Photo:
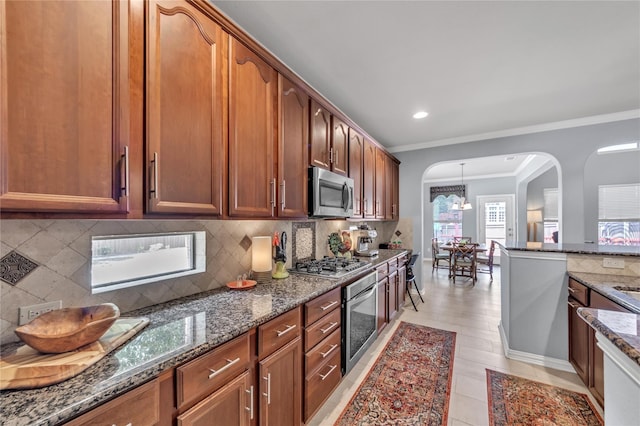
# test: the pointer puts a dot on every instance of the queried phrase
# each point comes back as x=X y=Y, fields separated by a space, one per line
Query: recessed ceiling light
x=420 y=114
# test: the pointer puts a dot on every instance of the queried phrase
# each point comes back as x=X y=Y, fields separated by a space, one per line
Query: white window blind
x=550 y=204
x=619 y=202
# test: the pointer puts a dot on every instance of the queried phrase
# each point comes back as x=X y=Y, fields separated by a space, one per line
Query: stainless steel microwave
x=330 y=194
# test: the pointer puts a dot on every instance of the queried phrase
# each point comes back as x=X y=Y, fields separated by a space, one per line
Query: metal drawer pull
x=286 y=330
x=324 y=308
x=333 y=367
x=573 y=305
x=250 y=407
x=155 y=175
x=268 y=394
x=571 y=289
x=124 y=181
x=283 y=197
x=216 y=372
x=331 y=349
x=324 y=330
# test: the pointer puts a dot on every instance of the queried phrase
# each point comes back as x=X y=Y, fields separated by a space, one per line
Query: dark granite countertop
x=179 y=331
x=621 y=328
x=573 y=248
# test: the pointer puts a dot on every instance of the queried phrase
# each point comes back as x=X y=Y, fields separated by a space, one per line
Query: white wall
x=571 y=148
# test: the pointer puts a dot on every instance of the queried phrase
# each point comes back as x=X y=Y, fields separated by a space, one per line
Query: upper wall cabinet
x=369 y=180
x=320 y=136
x=356 y=152
x=65 y=118
x=293 y=106
x=252 y=132
x=380 y=193
x=186 y=109
x=339 y=146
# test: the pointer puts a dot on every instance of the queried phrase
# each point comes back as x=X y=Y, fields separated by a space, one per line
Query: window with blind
x=550 y=214
x=619 y=214
x=447 y=223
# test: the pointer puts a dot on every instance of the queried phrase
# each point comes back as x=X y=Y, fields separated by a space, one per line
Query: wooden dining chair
x=464 y=261
x=438 y=255
x=487 y=261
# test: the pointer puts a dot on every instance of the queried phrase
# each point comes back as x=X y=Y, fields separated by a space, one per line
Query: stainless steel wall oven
x=359 y=325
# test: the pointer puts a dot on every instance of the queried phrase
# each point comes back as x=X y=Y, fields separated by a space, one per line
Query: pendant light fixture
x=463 y=204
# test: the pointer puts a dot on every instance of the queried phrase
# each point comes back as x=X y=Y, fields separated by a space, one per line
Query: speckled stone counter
x=179 y=330
x=621 y=328
x=573 y=248
x=612 y=287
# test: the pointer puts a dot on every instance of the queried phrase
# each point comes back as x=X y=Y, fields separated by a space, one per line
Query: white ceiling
x=478 y=67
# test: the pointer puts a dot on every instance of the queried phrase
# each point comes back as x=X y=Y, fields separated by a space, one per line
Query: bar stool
x=411 y=278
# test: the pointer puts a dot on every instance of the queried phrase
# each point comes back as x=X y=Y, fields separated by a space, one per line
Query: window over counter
x=120 y=261
x=550 y=213
x=619 y=214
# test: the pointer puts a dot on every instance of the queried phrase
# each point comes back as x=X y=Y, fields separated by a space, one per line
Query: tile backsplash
x=61 y=252
x=593 y=264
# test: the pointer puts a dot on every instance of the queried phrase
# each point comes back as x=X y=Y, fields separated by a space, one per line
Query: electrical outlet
x=609 y=262
x=27 y=313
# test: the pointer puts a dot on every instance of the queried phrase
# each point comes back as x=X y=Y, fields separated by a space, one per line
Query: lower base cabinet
x=280 y=376
x=232 y=405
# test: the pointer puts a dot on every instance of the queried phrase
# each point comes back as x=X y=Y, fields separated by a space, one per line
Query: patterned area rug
x=410 y=382
x=517 y=401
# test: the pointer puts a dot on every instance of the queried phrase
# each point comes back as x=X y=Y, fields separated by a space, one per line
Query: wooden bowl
x=67 y=329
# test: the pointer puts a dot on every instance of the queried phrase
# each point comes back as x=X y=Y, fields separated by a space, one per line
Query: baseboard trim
x=544 y=361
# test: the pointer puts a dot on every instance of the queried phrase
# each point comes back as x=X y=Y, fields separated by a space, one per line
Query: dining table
x=478 y=248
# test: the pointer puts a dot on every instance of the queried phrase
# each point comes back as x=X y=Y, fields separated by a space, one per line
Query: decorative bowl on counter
x=241 y=284
x=67 y=329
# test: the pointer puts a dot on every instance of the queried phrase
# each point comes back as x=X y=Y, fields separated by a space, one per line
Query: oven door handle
x=362 y=296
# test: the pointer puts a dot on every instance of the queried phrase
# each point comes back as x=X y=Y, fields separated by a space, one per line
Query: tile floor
x=473 y=312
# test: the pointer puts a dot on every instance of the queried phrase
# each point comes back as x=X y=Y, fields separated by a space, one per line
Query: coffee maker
x=364 y=240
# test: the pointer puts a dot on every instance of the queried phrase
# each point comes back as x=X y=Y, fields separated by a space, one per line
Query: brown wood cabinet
x=369 y=180
x=322 y=350
x=339 y=146
x=69 y=112
x=319 y=136
x=392 y=199
x=140 y=406
x=293 y=107
x=186 y=111
x=252 y=133
x=231 y=405
x=393 y=295
x=356 y=167
x=380 y=185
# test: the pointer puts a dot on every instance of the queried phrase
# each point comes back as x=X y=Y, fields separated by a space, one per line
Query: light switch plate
x=27 y=313
x=609 y=262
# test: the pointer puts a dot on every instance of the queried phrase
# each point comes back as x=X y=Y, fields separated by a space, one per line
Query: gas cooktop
x=331 y=267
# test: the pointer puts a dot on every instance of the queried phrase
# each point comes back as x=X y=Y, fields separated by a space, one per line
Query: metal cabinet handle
x=268 y=394
x=273 y=192
x=124 y=181
x=331 y=349
x=571 y=289
x=283 y=197
x=333 y=367
x=573 y=305
x=154 y=190
x=286 y=330
x=229 y=364
x=250 y=407
x=336 y=157
x=325 y=330
x=324 y=308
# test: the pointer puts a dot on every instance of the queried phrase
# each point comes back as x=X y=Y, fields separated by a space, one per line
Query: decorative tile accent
x=245 y=243
x=303 y=246
x=14 y=267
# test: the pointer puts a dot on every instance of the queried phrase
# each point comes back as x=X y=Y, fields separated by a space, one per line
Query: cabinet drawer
x=383 y=271
x=212 y=370
x=140 y=406
x=320 y=384
x=393 y=265
x=578 y=291
x=321 y=305
x=278 y=332
x=321 y=329
x=325 y=349
x=598 y=301
x=402 y=260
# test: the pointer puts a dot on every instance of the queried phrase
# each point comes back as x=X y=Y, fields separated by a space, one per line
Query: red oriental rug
x=517 y=401
x=410 y=382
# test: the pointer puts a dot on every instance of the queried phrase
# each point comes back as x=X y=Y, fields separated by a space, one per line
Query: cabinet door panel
x=369 y=180
x=387 y=207
x=252 y=123
x=393 y=295
x=356 y=152
x=381 y=160
x=186 y=117
x=339 y=146
x=281 y=386
x=578 y=342
x=230 y=405
x=65 y=114
x=292 y=150
x=320 y=136
x=383 y=299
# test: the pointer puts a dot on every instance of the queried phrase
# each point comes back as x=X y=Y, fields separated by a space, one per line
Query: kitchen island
x=534 y=276
x=179 y=331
